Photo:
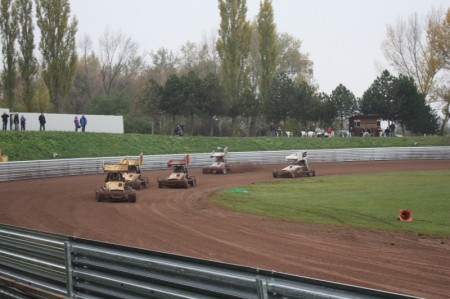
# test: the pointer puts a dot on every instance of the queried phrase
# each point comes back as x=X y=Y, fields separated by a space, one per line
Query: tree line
x=231 y=84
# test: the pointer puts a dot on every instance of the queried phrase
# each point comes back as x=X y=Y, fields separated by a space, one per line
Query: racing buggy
x=299 y=167
x=179 y=178
x=115 y=188
x=220 y=165
x=133 y=176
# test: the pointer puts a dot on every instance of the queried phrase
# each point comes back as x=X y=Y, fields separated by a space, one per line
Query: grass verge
x=362 y=201
x=23 y=146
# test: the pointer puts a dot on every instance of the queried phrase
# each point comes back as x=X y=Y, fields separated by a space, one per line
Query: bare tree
x=117 y=53
x=163 y=65
x=407 y=49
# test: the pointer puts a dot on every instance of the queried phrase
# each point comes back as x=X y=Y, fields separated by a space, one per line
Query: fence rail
x=77 y=268
x=66 y=167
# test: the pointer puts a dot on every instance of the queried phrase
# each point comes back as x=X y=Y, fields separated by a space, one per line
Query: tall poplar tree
x=26 y=60
x=233 y=47
x=8 y=32
x=57 y=47
x=267 y=49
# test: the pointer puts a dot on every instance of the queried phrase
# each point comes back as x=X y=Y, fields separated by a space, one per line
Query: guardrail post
x=261 y=288
x=67 y=251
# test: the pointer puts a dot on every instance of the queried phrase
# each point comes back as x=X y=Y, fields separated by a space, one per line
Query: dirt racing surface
x=183 y=221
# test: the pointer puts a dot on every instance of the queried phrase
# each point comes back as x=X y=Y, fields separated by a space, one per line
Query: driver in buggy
x=113 y=177
x=180 y=169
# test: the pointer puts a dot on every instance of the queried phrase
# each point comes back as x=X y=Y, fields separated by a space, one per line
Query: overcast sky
x=342 y=37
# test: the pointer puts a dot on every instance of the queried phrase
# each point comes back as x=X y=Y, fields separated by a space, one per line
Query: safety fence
x=77 y=268
x=66 y=167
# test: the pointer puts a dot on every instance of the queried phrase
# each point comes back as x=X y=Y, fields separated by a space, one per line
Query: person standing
x=182 y=125
x=16 y=121
x=392 y=129
x=77 y=123
x=22 y=123
x=5 y=117
x=42 y=122
x=83 y=123
x=272 y=130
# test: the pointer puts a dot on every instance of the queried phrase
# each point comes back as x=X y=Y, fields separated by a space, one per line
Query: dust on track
x=183 y=221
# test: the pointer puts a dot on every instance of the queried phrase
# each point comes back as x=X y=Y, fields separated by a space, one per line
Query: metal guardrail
x=65 y=167
x=78 y=268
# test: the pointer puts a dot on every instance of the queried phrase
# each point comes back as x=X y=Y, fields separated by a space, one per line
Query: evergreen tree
x=378 y=98
x=345 y=103
x=28 y=65
x=267 y=48
x=9 y=31
x=233 y=47
x=57 y=47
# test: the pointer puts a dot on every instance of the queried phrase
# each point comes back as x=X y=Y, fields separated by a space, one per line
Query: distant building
x=358 y=124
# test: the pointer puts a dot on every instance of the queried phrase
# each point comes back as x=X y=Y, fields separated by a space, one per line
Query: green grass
x=21 y=146
x=364 y=201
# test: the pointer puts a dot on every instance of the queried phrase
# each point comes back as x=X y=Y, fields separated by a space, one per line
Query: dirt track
x=182 y=221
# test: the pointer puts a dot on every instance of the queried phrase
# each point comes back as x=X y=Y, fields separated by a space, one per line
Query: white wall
x=64 y=122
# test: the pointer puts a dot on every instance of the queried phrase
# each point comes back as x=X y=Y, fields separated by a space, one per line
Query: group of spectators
x=80 y=123
x=14 y=121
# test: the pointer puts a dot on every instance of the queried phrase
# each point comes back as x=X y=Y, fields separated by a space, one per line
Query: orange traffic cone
x=405 y=215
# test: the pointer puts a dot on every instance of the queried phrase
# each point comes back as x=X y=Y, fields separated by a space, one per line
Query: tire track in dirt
x=183 y=221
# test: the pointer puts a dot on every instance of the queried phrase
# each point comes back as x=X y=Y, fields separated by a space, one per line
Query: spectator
x=83 y=123
x=330 y=132
x=182 y=125
x=5 y=117
x=392 y=129
x=272 y=130
x=179 y=131
x=23 y=120
x=42 y=122
x=387 y=132
x=76 y=123
x=16 y=121
x=279 y=132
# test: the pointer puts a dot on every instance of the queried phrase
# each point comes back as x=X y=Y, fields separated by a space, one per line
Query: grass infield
x=370 y=201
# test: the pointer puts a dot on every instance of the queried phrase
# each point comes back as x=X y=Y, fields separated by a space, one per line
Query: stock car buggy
x=179 y=178
x=133 y=176
x=299 y=167
x=220 y=165
x=115 y=188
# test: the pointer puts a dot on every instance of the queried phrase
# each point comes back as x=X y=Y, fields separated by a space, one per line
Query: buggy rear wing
x=111 y=167
x=301 y=155
x=221 y=153
x=186 y=161
x=133 y=162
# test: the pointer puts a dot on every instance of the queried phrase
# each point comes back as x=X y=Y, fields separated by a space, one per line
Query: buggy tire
x=132 y=198
x=185 y=184
x=193 y=183
x=224 y=171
